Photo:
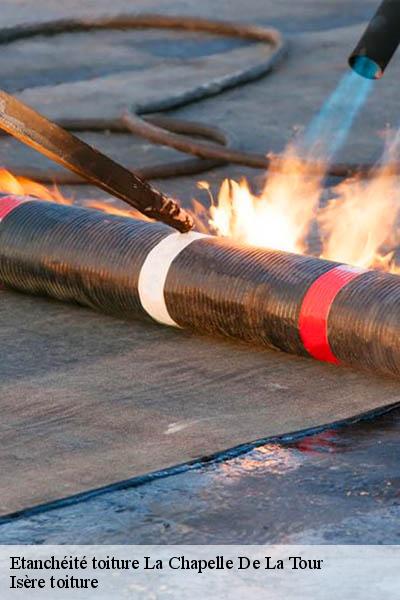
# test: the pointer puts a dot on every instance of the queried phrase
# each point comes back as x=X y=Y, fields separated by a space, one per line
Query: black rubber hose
x=270 y=37
x=162 y=130
x=136 y=269
x=157 y=134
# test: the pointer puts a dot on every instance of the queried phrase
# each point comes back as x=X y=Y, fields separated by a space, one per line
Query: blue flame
x=329 y=129
x=366 y=67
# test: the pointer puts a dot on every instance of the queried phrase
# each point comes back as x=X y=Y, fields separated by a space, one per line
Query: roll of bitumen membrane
x=139 y=269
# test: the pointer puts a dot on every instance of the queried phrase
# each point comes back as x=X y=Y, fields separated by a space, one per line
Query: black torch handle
x=379 y=41
x=48 y=138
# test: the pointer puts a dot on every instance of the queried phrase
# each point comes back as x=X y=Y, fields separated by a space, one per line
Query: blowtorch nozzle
x=379 y=42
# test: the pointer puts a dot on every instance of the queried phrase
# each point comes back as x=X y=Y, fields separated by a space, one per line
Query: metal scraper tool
x=34 y=130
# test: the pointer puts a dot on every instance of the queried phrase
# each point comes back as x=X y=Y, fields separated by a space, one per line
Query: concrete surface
x=55 y=353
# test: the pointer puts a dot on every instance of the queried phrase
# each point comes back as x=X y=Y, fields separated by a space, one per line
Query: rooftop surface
x=106 y=396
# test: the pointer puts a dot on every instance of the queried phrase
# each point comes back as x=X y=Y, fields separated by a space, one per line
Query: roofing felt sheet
x=88 y=400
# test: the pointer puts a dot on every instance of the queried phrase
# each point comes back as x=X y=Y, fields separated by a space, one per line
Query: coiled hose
x=164 y=130
x=138 y=269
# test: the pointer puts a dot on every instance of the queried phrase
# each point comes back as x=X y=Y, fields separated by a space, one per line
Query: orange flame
x=21 y=186
x=360 y=222
x=358 y=226
x=280 y=216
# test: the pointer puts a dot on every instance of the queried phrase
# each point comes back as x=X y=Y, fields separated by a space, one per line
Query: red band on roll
x=8 y=203
x=314 y=313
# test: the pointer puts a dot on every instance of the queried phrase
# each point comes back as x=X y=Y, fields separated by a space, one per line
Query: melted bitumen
x=341 y=485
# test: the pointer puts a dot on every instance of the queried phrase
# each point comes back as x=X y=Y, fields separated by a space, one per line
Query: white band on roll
x=154 y=271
